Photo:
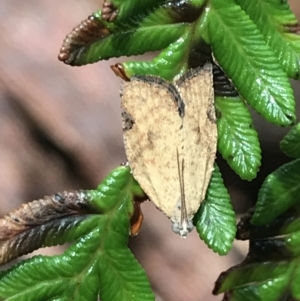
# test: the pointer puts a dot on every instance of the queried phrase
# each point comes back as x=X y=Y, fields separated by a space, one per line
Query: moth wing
x=200 y=134
x=151 y=126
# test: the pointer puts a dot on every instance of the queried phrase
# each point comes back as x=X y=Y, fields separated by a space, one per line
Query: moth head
x=183 y=228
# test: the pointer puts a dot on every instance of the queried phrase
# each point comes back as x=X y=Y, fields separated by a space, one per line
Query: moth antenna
x=183 y=218
x=183 y=203
x=205 y=175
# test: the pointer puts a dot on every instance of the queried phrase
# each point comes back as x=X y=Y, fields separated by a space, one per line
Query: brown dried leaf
x=26 y=228
x=109 y=11
x=136 y=220
x=87 y=32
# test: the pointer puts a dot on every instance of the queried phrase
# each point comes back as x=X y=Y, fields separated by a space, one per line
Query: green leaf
x=99 y=262
x=122 y=278
x=240 y=49
x=57 y=219
x=290 y=144
x=127 y=43
x=138 y=28
x=131 y=13
x=237 y=140
x=134 y=14
x=166 y=65
x=152 y=28
x=189 y=51
x=278 y=25
x=256 y=282
x=215 y=220
x=271 y=269
x=280 y=191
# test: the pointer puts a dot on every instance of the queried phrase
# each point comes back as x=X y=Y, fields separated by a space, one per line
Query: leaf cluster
x=254 y=48
x=97 y=263
x=271 y=268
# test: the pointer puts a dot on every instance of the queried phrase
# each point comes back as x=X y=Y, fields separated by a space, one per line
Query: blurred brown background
x=60 y=128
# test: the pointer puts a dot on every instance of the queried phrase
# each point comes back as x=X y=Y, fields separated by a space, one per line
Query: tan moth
x=170 y=138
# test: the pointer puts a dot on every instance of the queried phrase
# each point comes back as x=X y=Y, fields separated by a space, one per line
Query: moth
x=170 y=138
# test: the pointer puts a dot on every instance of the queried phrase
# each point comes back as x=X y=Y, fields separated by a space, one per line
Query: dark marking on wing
x=197 y=130
x=128 y=121
x=154 y=80
x=211 y=115
x=151 y=139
